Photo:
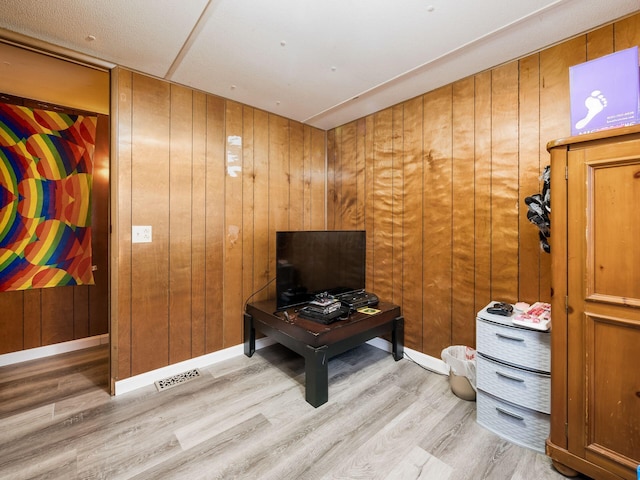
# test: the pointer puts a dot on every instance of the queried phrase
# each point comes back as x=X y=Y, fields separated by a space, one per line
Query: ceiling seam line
x=193 y=35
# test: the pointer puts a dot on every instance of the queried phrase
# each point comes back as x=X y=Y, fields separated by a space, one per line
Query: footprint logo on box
x=595 y=104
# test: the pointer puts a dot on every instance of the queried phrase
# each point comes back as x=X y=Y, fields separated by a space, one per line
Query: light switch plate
x=141 y=234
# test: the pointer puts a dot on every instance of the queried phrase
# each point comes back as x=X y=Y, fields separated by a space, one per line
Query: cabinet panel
x=612 y=233
x=614 y=394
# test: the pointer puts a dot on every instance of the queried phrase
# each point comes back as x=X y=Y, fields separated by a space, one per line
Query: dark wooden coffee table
x=317 y=342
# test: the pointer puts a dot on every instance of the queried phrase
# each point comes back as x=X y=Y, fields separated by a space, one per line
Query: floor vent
x=176 y=380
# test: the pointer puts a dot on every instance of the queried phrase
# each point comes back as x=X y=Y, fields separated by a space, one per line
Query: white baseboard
x=149 y=378
x=431 y=363
x=427 y=361
x=47 y=351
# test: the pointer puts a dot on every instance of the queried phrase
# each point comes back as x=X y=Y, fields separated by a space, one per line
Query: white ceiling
x=322 y=62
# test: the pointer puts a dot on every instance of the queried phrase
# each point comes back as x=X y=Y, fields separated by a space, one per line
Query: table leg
x=397 y=338
x=316 y=375
x=249 y=336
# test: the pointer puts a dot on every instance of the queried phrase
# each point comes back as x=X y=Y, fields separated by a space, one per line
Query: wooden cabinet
x=595 y=338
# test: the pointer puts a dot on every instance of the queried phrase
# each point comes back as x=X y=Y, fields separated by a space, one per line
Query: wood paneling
x=531 y=164
x=348 y=187
x=462 y=181
x=397 y=202
x=361 y=188
x=233 y=233
x=263 y=270
x=57 y=319
x=198 y=245
x=81 y=312
x=121 y=347
x=248 y=204
x=482 y=191
x=412 y=231
x=214 y=224
x=11 y=321
x=463 y=246
x=334 y=178
x=150 y=191
x=437 y=220
x=315 y=214
x=332 y=201
x=297 y=176
x=32 y=318
x=369 y=211
x=215 y=179
x=626 y=33
x=504 y=183
x=180 y=219
x=555 y=112
x=307 y=174
x=383 y=204
x=600 y=42
x=279 y=184
x=100 y=230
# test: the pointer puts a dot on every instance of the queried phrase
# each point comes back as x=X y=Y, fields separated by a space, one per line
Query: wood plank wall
x=439 y=184
x=215 y=179
x=41 y=317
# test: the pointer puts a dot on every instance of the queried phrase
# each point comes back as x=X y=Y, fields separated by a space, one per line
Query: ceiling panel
x=320 y=62
x=145 y=35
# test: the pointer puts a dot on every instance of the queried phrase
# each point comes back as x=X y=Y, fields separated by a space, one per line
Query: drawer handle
x=507 y=337
x=510 y=377
x=509 y=414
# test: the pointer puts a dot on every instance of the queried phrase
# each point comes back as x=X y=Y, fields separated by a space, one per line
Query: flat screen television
x=312 y=262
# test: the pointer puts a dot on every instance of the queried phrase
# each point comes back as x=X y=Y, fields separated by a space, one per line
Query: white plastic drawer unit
x=522 y=387
x=517 y=346
x=521 y=426
x=513 y=380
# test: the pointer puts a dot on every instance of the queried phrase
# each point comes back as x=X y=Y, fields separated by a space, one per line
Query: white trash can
x=462 y=370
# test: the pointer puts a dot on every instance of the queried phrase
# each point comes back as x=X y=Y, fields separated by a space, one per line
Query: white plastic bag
x=462 y=361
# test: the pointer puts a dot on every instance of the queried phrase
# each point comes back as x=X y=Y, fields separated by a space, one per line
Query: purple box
x=605 y=92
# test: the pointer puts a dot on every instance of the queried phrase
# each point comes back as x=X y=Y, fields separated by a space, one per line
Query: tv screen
x=313 y=262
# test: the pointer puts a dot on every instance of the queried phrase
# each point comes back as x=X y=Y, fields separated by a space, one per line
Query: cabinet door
x=603 y=246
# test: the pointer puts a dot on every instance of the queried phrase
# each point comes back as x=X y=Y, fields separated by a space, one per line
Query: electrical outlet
x=141 y=234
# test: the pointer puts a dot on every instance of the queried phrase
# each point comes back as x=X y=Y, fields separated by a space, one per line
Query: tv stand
x=317 y=342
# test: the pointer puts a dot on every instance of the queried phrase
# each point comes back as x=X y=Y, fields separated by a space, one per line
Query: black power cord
x=257 y=291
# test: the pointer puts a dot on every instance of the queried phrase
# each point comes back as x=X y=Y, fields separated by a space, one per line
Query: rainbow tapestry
x=46 y=168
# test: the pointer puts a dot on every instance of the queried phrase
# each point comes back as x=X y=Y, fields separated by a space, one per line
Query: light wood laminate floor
x=246 y=418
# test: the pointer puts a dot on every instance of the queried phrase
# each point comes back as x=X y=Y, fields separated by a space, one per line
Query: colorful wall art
x=46 y=167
